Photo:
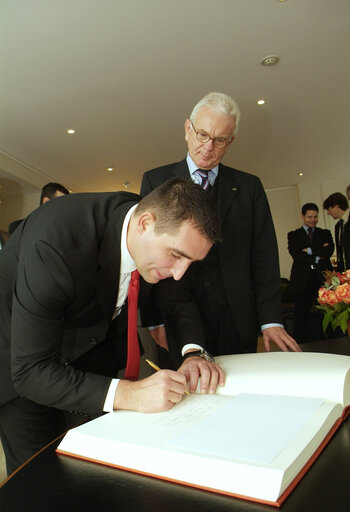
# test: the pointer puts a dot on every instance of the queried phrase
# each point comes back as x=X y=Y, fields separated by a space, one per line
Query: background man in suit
x=59 y=291
x=236 y=288
x=48 y=192
x=311 y=249
x=336 y=205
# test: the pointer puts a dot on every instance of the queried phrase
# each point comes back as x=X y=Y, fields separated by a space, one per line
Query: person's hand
x=157 y=393
x=282 y=339
x=159 y=336
x=211 y=374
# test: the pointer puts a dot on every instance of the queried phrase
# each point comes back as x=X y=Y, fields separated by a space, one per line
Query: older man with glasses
x=235 y=291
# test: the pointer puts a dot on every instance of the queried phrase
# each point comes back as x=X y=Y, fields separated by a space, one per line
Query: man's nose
x=209 y=145
x=179 y=268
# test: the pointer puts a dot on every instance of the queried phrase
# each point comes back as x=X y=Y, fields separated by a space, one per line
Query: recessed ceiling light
x=110 y=169
x=71 y=131
x=261 y=102
x=270 y=60
x=300 y=174
x=126 y=184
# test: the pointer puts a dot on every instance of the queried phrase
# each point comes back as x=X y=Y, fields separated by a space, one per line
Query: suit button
x=93 y=341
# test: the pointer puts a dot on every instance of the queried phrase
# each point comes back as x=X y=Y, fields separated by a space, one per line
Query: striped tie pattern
x=205 y=180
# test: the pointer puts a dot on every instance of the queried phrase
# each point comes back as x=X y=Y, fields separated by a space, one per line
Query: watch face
x=207 y=356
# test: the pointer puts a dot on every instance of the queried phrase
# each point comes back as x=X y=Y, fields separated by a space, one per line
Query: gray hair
x=218 y=102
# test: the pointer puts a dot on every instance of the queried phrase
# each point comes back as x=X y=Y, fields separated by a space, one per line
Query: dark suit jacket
x=347 y=244
x=343 y=252
x=63 y=262
x=299 y=240
x=248 y=255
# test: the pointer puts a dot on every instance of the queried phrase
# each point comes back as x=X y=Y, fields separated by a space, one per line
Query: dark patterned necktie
x=310 y=233
x=205 y=180
x=133 y=362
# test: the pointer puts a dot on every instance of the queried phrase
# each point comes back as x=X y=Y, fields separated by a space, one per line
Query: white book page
x=249 y=428
x=315 y=375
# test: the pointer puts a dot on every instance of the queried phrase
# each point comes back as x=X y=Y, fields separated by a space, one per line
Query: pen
x=157 y=369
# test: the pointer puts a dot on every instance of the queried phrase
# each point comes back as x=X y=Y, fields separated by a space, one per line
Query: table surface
x=56 y=482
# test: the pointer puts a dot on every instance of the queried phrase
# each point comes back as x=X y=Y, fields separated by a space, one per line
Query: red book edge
x=277 y=503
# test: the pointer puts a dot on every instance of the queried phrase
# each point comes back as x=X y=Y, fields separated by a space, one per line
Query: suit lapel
x=181 y=169
x=107 y=279
x=227 y=191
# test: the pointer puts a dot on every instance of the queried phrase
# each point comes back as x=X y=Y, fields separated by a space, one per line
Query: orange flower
x=328 y=297
x=343 y=293
x=323 y=295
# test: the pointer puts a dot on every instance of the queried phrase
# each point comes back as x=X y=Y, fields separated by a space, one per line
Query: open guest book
x=254 y=439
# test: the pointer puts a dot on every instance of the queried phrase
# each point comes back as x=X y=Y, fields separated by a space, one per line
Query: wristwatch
x=201 y=353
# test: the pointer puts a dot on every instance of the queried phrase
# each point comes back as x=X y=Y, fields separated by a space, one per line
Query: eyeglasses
x=219 y=142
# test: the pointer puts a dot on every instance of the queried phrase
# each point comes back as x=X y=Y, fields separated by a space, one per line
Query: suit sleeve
x=44 y=289
x=321 y=249
x=265 y=260
x=180 y=312
x=296 y=246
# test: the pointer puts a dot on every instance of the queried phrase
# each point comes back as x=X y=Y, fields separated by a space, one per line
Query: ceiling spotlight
x=300 y=174
x=261 y=102
x=270 y=60
x=126 y=184
x=70 y=131
x=110 y=169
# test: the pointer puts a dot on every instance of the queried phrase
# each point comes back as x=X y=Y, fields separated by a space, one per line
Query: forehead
x=188 y=241
x=211 y=121
x=311 y=213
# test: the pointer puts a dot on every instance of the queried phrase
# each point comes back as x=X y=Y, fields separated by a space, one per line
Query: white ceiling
x=126 y=74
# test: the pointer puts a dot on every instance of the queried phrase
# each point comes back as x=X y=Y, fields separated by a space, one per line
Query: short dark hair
x=348 y=189
x=179 y=200
x=336 y=199
x=50 y=189
x=309 y=206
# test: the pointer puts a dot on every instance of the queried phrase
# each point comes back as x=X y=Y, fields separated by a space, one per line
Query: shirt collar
x=307 y=228
x=127 y=264
x=193 y=167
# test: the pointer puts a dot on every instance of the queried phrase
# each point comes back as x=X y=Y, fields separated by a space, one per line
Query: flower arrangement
x=334 y=299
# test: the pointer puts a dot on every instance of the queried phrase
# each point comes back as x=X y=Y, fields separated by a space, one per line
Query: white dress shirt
x=127 y=265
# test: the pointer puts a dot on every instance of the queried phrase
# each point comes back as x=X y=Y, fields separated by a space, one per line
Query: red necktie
x=133 y=363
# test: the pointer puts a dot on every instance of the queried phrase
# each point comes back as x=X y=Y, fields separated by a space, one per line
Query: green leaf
x=343 y=320
x=326 y=320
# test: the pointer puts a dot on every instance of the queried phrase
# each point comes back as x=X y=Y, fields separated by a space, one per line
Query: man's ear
x=233 y=138
x=187 y=129
x=145 y=222
x=45 y=199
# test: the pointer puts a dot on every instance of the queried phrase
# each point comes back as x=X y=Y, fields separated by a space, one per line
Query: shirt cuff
x=108 y=405
x=267 y=326
x=189 y=346
x=152 y=327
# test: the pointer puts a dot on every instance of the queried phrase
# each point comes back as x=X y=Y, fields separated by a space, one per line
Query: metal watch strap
x=199 y=353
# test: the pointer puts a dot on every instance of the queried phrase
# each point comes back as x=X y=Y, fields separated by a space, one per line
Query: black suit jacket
x=343 y=250
x=299 y=240
x=347 y=245
x=59 y=275
x=248 y=256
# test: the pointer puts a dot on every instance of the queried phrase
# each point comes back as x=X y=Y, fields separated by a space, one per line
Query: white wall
x=17 y=207
x=284 y=209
